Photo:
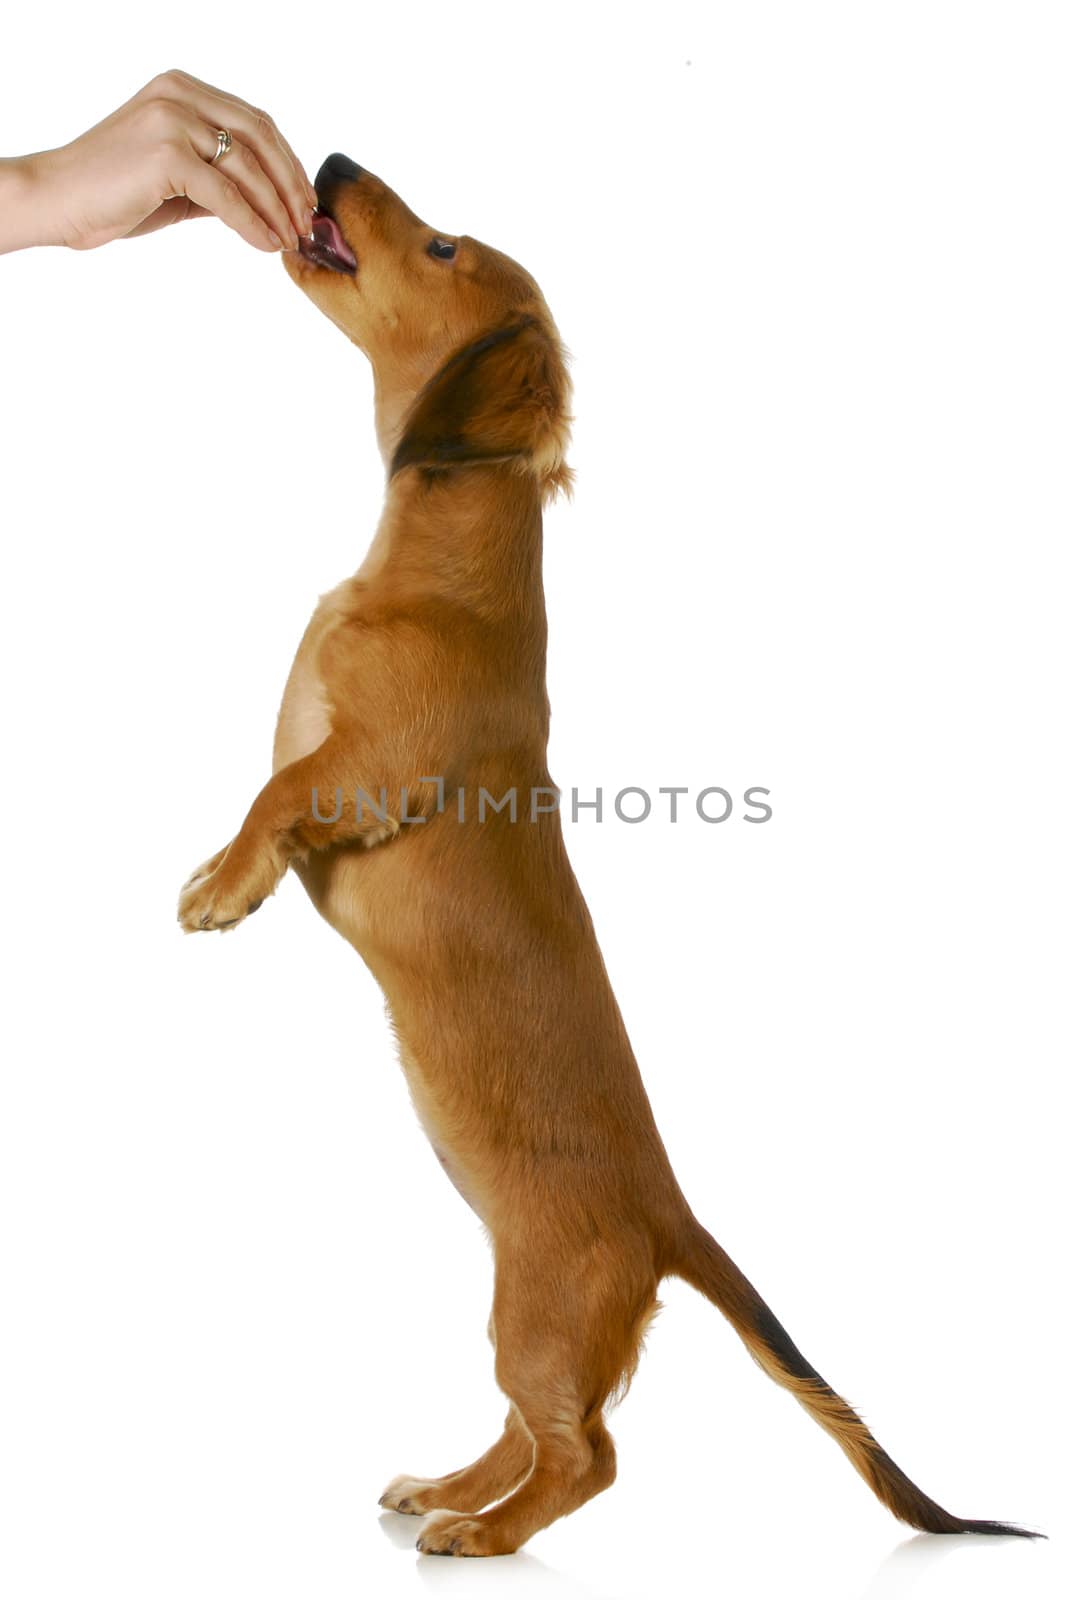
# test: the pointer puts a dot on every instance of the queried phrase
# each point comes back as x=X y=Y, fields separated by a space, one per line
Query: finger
x=242 y=166
x=214 y=190
x=305 y=193
x=257 y=130
x=188 y=135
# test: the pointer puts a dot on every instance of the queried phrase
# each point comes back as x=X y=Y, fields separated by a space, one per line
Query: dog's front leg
x=324 y=799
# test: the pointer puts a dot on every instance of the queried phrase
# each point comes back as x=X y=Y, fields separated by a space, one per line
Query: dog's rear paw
x=413 y=1497
x=227 y=888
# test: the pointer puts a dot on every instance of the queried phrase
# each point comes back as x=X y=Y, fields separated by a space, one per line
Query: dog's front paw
x=227 y=888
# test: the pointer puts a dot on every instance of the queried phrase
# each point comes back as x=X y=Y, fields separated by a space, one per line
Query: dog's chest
x=305 y=720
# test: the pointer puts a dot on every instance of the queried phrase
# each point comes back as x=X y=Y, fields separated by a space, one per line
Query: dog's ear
x=504 y=397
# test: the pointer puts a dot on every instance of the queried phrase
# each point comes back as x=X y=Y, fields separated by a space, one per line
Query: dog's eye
x=441 y=249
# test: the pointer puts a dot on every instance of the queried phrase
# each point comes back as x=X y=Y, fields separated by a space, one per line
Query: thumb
x=177 y=209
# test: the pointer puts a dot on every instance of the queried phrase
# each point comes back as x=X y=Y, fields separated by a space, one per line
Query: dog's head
x=468 y=365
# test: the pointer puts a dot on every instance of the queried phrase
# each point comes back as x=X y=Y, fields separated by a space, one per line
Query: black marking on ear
x=452 y=384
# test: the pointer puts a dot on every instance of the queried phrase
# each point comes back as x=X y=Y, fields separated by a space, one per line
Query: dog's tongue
x=327 y=234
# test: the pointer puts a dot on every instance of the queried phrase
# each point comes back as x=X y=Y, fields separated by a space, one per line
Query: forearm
x=24 y=207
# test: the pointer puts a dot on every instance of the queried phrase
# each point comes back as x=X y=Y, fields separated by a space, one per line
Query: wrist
x=24 y=204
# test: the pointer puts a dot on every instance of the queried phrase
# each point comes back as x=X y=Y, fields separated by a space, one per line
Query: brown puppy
x=420 y=682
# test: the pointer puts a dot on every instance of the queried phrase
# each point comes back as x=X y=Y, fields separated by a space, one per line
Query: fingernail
x=311 y=195
x=277 y=241
x=308 y=223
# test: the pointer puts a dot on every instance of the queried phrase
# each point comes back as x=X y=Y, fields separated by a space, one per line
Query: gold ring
x=223 y=145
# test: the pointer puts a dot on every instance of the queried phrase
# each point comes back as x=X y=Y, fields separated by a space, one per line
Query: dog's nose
x=337 y=168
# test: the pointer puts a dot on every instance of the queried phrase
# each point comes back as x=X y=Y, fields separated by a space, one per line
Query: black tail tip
x=1008 y=1530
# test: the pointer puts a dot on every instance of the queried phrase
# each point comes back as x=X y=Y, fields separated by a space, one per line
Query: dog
x=417 y=690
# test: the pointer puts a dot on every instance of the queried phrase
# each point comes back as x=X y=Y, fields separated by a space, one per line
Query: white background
x=815 y=265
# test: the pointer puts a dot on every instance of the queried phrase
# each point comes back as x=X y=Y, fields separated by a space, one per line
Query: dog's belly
x=348 y=885
x=372 y=899
x=428 y=1115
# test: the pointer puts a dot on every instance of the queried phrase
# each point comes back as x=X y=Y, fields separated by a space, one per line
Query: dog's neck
x=469 y=536
x=392 y=400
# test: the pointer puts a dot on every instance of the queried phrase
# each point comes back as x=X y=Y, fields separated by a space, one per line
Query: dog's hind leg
x=493 y=1475
x=566 y=1339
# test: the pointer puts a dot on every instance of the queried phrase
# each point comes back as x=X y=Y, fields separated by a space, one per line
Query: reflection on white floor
x=981 y=1567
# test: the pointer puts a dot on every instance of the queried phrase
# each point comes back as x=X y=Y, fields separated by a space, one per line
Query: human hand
x=150 y=164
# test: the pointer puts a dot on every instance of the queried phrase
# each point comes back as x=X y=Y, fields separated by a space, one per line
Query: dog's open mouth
x=328 y=247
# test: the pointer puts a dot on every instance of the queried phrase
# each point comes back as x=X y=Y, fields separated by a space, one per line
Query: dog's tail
x=704 y=1265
